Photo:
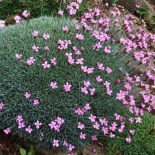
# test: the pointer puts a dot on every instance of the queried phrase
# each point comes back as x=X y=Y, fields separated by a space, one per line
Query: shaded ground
x=7 y=145
x=152 y=2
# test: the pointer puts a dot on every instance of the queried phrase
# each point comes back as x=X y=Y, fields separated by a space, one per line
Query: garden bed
x=64 y=98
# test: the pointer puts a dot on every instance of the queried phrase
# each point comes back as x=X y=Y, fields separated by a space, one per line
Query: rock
x=130 y=5
x=99 y=151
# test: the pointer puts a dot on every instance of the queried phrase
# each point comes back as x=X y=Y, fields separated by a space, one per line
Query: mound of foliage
x=33 y=84
x=64 y=82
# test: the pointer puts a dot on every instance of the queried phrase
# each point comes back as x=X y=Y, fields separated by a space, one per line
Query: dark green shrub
x=10 y=8
x=37 y=7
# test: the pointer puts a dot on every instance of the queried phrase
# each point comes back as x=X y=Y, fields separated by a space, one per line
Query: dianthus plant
x=64 y=82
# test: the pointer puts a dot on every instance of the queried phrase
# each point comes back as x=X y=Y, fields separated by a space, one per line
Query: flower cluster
x=2 y=23
x=56 y=124
x=25 y=15
x=73 y=7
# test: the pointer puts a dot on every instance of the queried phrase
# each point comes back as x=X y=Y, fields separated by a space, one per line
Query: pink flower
x=27 y=95
x=71 y=61
x=87 y=83
x=38 y=124
x=19 y=118
x=138 y=120
x=46 y=48
x=80 y=125
x=46 y=36
x=18 y=56
x=57 y=128
x=117 y=116
x=90 y=70
x=92 y=118
x=77 y=27
x=54 y=85
x=17 y=19
x=35 y=48
x=87 y=106
x=97 y=46
x=53 y=61
x=84 y=90
x=52 y=125
x=26 y=13
x=113 y=126
x=103 y=121
x=55 y=143
x=132 y=132
x=105 y=130
x=107 y=49
x=131 y=120
x=107 y=84
x=79 y=1
x=61 y=13
x=65 y=29
x=71 y=153
x=92 y=91
x=108 y=70
x=46 y=65
x=94 y=138
x=29 y=129
x=80 y=61
x=127 y=86
x=2 y=106
x=82 y=135
x=137 y=6
x=100 y=66
x=65 y=143
x=84 y=69
x=35 y=34
x=60 y=121
x=79 y=111
x=2 y=24
x=111 y=135
x=96 y=126
x=79 y=37
x=128 y=139
x=67 y=87
x=99 y=79
x=73 y=7
x=71 y=147
x=7 y=131
x=36 y=102
x=21 y=125
x=109 y=92
x=30 y=61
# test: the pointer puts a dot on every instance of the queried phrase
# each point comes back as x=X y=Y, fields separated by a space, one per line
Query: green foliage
x=17 y=78
x=153 y=19
x=143 y=142
x=112 y=2
x=151 y=25
x=22 y=151
x=142 y=11
x=30 y=151
x=10 y=8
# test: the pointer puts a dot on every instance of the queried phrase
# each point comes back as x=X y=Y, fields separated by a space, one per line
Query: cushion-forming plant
x=64 y=82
